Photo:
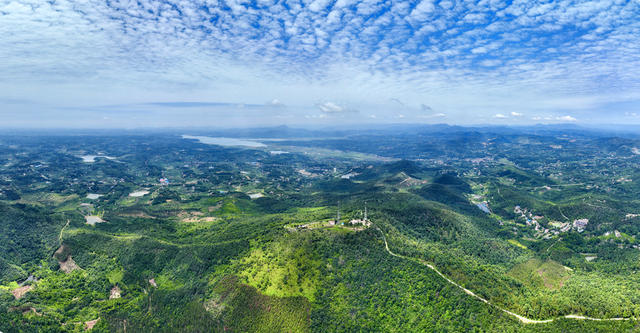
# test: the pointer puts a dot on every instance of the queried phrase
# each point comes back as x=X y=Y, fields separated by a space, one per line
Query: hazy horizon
x=249 y=131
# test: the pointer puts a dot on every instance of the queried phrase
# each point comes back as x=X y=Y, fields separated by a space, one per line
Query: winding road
x=522 y=319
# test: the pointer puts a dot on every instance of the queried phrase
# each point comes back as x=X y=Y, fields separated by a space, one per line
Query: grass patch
x=535 y=272
x=115 y=275
x=282 y=268
x=243 y=308
x=516 y=243
x=9 y=286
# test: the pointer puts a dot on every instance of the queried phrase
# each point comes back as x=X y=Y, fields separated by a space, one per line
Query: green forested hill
x=27 y=234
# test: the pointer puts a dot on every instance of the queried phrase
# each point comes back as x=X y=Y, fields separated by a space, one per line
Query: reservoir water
x=228 y=142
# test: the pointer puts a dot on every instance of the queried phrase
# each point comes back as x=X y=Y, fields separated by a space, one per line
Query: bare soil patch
x=21 y=291
x=68 y=265
x=115 y=292
x=63 y=256
x=138 y=214
x=25 y=309
x=89 y=324
x=194 y=216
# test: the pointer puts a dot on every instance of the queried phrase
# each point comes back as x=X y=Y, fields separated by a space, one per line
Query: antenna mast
x=365 y=210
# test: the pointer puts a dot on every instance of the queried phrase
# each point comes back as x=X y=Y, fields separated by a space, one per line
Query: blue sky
x=254 y=63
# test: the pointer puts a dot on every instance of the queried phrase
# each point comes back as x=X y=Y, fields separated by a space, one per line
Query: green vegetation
x=199 y=254
x=287 y=267
x=245 y=309
x=549 y=274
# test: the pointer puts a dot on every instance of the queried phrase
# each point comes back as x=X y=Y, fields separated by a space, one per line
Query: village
x=554 y=227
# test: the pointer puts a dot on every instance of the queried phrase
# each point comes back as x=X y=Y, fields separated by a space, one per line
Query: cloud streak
x=333 y=108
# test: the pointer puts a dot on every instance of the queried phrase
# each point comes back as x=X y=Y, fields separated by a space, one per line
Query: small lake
x=92 y=158
x=483 y=207
x=138 y=194
x=227 y=142
x=93 y=219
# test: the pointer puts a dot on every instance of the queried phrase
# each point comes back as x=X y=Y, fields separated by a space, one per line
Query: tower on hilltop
x=365 y=210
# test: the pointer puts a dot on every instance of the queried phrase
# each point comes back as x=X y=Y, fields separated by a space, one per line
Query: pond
x=92 y=158
x=93 y=219
x=138 y=193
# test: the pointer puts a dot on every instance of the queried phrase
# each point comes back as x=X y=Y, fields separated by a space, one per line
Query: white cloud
x=491 y=62
x=499 y=116
x=431 y=116
x=275 y=102
x=516 y=114
x=566 y=118
x=319 y=5
x=330 y=107
x=421 y=11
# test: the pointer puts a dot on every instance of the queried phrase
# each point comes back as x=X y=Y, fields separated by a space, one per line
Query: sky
x=145 y=63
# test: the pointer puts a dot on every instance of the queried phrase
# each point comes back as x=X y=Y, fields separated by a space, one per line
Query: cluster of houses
x=580 y=224
x=359 y=224
x=531 y=219
x=557 y=227
x=354 y=222
x=364 y=222
x=349 y=175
